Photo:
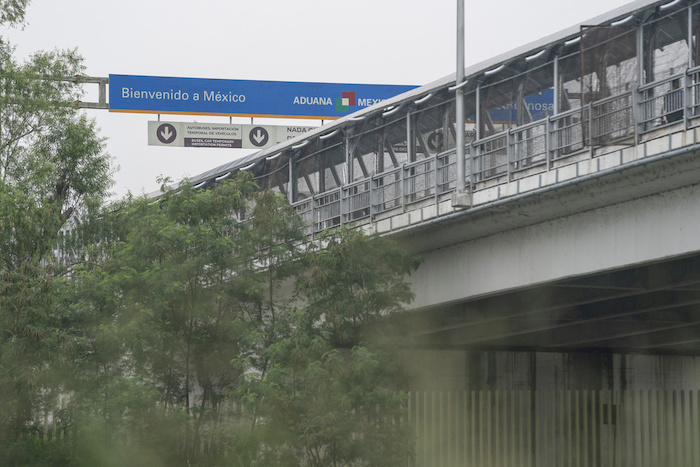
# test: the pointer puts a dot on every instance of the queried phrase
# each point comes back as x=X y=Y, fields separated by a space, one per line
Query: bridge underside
x=653 y=308
x=611 y=265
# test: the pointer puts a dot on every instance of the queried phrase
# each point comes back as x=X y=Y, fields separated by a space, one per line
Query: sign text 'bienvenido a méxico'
x=154 y=94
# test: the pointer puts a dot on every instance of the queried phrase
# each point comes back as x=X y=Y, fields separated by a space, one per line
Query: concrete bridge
x=601 y=254
x=581 y=170
x=575 y=265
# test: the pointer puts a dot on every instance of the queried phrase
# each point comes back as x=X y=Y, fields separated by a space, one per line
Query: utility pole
x=460 y=198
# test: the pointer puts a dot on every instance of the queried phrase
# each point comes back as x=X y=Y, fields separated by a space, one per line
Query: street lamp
x=460 y=198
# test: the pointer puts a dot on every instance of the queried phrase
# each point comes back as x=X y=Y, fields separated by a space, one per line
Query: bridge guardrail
x=419 y=180
x=610 y=119
x=507 y=154
x=356 y=201
x=305 y=209
x=566 y=134
x=491 y=158
x=693 y=92
x=661 y=103
x=387 y=190
x=446 y=170
x=529 y=145
x=327 y=210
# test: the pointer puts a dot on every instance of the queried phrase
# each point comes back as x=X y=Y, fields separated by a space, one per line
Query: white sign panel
x=217 y=135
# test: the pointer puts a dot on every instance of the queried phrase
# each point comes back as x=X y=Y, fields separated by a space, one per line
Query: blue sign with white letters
x=164 y=95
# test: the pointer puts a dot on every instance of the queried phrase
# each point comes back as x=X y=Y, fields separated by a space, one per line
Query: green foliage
x=330 y=394
x=53 y=173
x=354 y=280
x=215 y=333
x=199 y=328
x=172 y=300
x=12 y=12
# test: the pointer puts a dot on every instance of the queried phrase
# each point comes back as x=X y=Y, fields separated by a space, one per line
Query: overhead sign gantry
x=239 y=98
x=195 y=96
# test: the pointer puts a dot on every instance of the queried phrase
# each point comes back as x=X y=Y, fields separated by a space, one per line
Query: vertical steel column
x=690 y=37
x=642 y=79
x=549 y=125
x=459 y=104
x=348 y=176
x=409 y=138
x=637 y=97
x=688 y=86
x=460 y=198
x=292 y=190
x=410 y=157
x=348 y=157
x=477 y=95
x=475 y=153
x=555 y=79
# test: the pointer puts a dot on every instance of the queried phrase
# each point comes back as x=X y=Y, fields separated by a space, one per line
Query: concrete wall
x=643 y=230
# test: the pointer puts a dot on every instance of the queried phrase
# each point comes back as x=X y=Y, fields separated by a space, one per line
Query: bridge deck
x=596 y=116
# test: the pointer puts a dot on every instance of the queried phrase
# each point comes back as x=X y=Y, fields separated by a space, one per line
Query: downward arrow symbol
x=166 y=133
x=259 y=136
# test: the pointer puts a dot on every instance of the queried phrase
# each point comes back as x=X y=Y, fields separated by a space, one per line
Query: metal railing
x=661 y=103
x=693 y=94
x=419 y=180
x=305 y=210
x=566 y=134
x=510 y=154
x=491 y=158
x=327 y=210
x=446 y=171
x=529 y=145
x=610 y=120
x=356 y=201
x=387 y=191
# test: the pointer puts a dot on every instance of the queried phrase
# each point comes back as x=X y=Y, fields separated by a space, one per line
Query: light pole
x=460 y=198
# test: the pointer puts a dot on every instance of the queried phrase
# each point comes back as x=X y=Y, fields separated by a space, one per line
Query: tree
x=220 y=333
x=175 y=299
x=53 y=173
x=12 y=11
x=199 y=327
x=331 y=392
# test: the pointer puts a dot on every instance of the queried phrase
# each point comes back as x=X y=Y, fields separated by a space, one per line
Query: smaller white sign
x=290 y=131
x=217 y=135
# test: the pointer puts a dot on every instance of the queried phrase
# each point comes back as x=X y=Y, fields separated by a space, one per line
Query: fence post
x=635 y=111
x=510 y=154
x=548 y=142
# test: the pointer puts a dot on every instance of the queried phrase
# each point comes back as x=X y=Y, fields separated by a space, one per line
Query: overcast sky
x=350 y=41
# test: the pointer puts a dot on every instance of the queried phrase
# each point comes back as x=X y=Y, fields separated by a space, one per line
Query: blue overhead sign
x=163 y=95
